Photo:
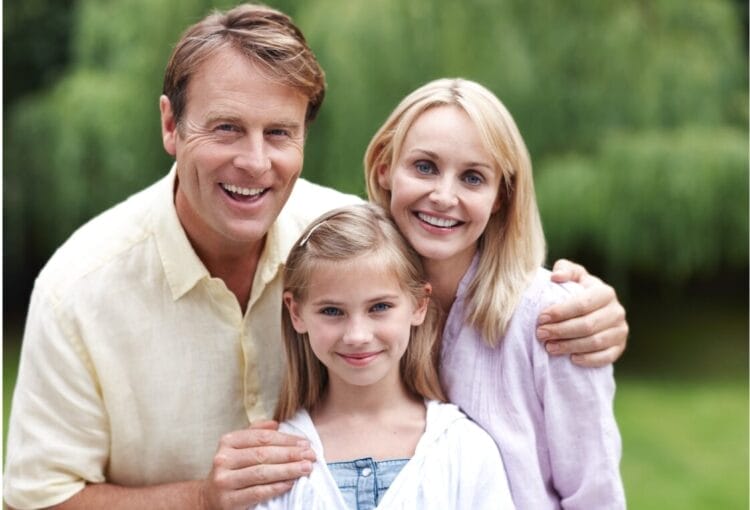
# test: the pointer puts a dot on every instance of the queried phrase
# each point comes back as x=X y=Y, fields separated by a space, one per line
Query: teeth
x=438 y=222
x=242 y=191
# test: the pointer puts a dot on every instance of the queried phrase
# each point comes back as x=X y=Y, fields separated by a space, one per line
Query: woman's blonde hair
x=342 y=236
x=512 y=246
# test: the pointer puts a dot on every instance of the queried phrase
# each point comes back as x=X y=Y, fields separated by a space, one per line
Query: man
x=153 y=332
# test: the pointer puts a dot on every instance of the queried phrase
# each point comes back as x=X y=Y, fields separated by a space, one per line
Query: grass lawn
x=685 y=444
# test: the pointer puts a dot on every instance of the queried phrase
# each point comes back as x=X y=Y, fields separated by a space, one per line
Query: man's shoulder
x=102 y=238
x=309 y=200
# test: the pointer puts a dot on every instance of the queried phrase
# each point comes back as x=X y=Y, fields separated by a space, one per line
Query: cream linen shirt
x=135 y=360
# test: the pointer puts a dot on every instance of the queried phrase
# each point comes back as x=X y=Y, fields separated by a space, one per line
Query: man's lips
x=241 y=193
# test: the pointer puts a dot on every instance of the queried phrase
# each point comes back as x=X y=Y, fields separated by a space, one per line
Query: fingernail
x=308 y=454
x=542 y=334
x=306 y=466
x=544 y=319
x=552 y=347
x=302 y=443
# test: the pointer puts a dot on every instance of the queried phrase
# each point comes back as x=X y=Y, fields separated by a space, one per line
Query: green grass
x=685 y=444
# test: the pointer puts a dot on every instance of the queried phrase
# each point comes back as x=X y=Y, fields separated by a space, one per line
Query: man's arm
x=250 y=466
x=590 y=326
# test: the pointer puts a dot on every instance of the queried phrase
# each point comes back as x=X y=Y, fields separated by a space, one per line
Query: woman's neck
x=445 y=276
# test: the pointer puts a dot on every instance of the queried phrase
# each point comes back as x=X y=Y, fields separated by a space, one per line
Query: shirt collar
x=182 y=267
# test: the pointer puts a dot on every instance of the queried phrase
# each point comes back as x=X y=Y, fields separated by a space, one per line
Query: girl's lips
x=359 y=359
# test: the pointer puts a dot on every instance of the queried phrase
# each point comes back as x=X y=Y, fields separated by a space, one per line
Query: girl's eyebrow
x=333 y=302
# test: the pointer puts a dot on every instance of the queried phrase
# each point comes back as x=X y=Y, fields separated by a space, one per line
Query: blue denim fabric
x=363 y=482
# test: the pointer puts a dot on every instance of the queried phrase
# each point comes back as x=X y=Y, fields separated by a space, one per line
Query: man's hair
x=512 y=245
x=343 y=237
x=264 y=35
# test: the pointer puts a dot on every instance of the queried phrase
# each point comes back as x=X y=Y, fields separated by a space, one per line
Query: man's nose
x=253 y=155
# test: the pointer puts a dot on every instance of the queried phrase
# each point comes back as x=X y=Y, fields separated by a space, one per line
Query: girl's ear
x=420 y=312
x=294 y=313
x=384 y=177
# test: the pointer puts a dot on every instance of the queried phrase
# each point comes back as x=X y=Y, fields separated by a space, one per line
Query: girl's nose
x=358 y=331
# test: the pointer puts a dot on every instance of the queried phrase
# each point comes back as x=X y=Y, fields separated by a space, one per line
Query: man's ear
x=384 y=177
x=294 y=313
x=168 y=126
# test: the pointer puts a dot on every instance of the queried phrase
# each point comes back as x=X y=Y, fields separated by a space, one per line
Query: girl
x=451 y=167
x=361 y=381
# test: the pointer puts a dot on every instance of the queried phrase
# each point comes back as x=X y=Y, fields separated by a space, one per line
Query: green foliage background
x=635 y=113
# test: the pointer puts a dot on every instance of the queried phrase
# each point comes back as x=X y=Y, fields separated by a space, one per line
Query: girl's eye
x=331 y=311
x=424 y=167
x=473 y=178
x=381 y=307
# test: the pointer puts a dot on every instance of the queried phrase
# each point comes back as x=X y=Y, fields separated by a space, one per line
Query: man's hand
x=254 y=465
x=590 y=326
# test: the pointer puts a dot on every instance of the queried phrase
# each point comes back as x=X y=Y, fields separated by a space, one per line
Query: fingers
x=598 y=359
x=566 y=271
x=255 y=464
x=581 y=314
x=599 y=349
x=258 y=435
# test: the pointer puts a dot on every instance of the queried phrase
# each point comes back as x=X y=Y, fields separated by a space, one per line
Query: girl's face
x=444 y=186
x=358 y=321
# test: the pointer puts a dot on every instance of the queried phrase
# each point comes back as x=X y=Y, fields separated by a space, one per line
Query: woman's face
x=444 y=186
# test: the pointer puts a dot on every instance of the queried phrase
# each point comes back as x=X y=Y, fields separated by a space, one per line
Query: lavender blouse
x=552 y=420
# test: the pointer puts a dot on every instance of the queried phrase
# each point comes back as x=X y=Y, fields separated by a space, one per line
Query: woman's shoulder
x=542 y=292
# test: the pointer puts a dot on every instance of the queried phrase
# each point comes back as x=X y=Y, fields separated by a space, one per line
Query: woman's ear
x=423 y=304
x=384 y=177
x=294 y=313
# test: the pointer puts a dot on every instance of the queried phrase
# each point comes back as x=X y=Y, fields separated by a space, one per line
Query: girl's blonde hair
x=342 y=236
x=512 y=246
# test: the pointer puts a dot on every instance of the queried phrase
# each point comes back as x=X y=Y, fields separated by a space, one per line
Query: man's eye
x=279 y=132
x=229 y=128
x=331 y=311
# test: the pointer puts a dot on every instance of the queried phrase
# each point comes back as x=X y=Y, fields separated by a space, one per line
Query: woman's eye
x=473 y=179
x=331 y=311
x=424 y=167
x=381 y=307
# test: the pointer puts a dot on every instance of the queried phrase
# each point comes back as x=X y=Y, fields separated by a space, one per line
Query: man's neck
x=237 y=270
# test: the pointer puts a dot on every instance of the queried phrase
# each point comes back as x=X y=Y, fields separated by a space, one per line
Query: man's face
x=239 y=151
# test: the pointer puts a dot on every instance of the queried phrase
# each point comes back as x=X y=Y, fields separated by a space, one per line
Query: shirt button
x=366 y=471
